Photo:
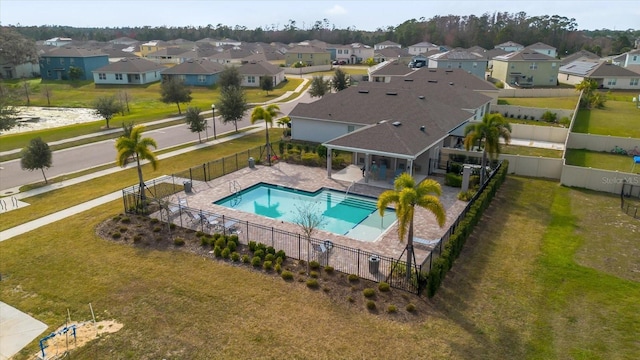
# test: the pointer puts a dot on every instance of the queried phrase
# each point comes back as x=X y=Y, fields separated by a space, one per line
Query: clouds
x=336 y=10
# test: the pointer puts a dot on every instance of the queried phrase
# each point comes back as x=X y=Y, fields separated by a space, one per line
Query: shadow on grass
x=583 y=120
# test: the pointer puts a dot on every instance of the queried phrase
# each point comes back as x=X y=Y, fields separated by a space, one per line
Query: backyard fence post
x=204 y=172
x=190 y=175
x=236 y=161
x=272 y=236
x=358 y=261
x=299 y=246
x=223 y=173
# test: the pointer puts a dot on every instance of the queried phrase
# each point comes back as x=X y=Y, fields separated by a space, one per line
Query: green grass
x=532 y=122
x=618 y=118
x=530 y=284
x=50 y=202
x=530 y=151
x=599 y=160
x=145 y=106
x=568 y=103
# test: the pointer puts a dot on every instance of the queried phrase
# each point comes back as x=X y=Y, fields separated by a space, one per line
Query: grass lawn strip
x=618 y=118
x=600 y=160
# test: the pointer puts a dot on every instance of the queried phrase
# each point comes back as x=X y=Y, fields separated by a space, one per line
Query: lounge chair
x=193 y=218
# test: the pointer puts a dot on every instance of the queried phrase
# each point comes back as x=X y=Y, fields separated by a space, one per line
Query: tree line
x=485 y=30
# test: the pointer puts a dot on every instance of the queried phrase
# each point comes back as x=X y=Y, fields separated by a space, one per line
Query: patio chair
x=230 y=226
x=212 y=222
x=193 y=218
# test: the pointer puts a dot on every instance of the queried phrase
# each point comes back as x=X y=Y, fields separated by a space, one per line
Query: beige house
x=526 y=68
x=308 y=55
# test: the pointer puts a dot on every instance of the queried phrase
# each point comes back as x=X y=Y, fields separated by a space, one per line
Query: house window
x=48 y=73
x=346 y=52
x=61 y=61
x=102 y=76
x=513 y=66
x=339 y=51
x=70 y=61
x=299 y=56
x=48 y=60
x=118 y=76
x=202 y=78
x=553 y=64
x=311 y=56
x=136 y=77
x=633 y=82
x=635 y=57
x=612 y=81
x=251 y=79
x=449 y=66
x=182 y=78
x=459 y=65
x=533 y=66
x=475 y=65
x=552 y=79
x=350 y=128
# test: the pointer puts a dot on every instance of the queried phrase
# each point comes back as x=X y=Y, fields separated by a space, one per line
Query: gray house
x=460 y=59
x=401 y=125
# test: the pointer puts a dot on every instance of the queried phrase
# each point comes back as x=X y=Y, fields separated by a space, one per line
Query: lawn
x=50 y=202
x=546 y=103
x=530 y=151
x=532 y=282
x=617 y=118
x=145 y=105
x=599 y=160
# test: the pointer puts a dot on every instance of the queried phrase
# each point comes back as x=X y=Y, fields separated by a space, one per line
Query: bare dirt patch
x=84 y=332
x=395 y=305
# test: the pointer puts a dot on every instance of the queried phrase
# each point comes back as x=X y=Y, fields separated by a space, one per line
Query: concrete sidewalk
x=17 y=329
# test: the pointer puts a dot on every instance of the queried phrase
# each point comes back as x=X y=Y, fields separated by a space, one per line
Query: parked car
x=339 y=62
x=415 y=64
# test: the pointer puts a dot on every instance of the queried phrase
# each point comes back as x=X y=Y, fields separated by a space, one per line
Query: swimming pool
x=350 y=215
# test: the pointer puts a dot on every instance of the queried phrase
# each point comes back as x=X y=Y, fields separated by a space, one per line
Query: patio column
x=366 y=167
x=329 y=151
x=411 y=167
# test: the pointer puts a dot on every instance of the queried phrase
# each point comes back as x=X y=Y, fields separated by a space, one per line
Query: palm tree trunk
x=140 y=179
x=410 y=249
x=268 y=145
x=483 y=163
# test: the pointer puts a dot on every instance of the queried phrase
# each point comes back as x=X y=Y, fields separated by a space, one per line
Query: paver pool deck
x=312 y=179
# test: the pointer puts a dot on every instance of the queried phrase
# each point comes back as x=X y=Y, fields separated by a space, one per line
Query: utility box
x=252 y=163
x=374 y=264
x=187 y=186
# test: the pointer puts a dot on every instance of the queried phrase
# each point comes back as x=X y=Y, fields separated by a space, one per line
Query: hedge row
x=456 y=242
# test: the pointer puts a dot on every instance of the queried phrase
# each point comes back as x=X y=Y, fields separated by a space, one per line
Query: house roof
x=540 y=45
x=606 y=69
x=195 y=67
x=509 y=44
x=392 y=52
x=378 y=106
x=392 y=68
x=456 y=55
x=524 y=55
x=595 y=69
x=424 y=44
x=75 y=52
x=131 y=65
x=580 y=55
x=169 y=51
x=259 y=68
x=230 y=54
x=388 y=42
x=306 y=49
x=477 y=49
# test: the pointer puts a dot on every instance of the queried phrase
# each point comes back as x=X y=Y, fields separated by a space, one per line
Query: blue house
x=195 y=72
x=56 y=64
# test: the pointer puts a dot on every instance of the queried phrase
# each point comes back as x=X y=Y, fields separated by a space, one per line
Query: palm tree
x=490 y=129
x=135 y=144
x=406 y=195
x=267 y=114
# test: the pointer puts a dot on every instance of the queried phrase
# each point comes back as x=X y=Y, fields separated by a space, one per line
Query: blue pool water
x=350 y=215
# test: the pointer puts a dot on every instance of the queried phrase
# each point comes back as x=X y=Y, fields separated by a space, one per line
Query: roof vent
x=408 y=79
x=396 y=123
x=451 y=83
x=363 y=91
x=421 y=97
x=448 y=71
x=433 y=81
x=392 y=93
x=432 y=70
x=422 y=128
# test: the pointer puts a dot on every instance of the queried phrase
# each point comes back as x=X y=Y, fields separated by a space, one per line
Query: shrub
x=350 y=299
x=410 y=307
x=233 y=238
x=384 y=287
x=232 y=246
x=455 y=168
x=256 y=261
x=500 y=85
x=235 y=256
x=287 y=275
x=204 y=241
x=217 y=251
x=116 y=235
x=353 y=277
x=221 y=243
x=200 y=233
x=155 y=221
x=125 y=220
x=116 y=218
x=245 y=259
x=157 y=229
x=267 y=265
x=564 y=121
x=453 y=180
x=262 y=247
x=216 y=236
x=466 y=195
x=525 y=117
x=519 y=116
x=392 y=309
x=310 y=159
x=259 y=253
x=314 y=265
x=123 y=229
x=252 y=246
x=278 y=268
x=178 y=241
x=548 y=116
x=312 y=284
x=172 y=226
x=271 y=250
x=279 y=260
x=269 y=257
x=328 y=269
x=137 y=238
x=281 y=254
x=313 y=274
x=371 y=305
x=226 y=253
x=369 y=292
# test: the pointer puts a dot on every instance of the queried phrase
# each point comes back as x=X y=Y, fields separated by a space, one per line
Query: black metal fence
x=342 y=258
x=630 y=199
x=439 y=246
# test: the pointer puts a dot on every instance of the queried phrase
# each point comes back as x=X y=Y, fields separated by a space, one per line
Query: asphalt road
x=100 y=153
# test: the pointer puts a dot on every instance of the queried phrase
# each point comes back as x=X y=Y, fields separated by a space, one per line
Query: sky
x=365 y=15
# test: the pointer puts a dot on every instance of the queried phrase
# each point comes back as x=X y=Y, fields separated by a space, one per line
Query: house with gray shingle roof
x=459 y=59
x=231 y=56
x=401 y=124
x=56 y=63
x=543 y=48
x=422 y=47
x=579 y=55
x=195 y=72
x=607 y=75
x=386 y=44
x=392 y=54
x=128 y=71
x=509 y=46
x=252 y=72
x=308 y=55
x=526 y=68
